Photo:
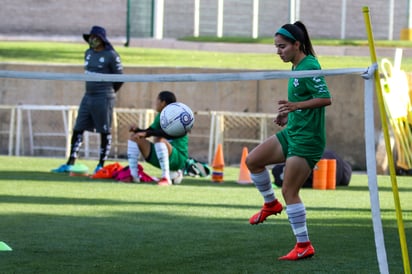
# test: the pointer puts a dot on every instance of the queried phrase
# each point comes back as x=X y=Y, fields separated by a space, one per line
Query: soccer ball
x=176 y=119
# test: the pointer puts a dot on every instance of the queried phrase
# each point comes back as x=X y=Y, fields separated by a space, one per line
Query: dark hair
x=167 y=96
x=300 y=33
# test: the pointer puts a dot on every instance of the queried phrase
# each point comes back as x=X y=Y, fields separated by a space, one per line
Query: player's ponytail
x=306 y=43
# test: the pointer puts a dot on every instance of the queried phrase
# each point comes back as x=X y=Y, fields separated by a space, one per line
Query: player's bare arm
x=285 y=106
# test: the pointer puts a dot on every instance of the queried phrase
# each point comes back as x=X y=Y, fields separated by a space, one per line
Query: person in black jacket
x=96 y=108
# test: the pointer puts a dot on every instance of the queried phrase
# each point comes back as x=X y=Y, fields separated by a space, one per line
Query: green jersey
x=306 y=127
x=180 y=151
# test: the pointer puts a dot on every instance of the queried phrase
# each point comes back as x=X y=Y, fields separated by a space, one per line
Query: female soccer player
x=165 y=152
x=300 y=144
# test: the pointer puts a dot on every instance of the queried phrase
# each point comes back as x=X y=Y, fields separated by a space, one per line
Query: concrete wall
x=66 y=18
x=73 y=17
x=345 y=126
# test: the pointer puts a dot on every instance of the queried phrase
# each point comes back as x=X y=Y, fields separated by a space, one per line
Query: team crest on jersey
x=101 y=59
x=296 y=82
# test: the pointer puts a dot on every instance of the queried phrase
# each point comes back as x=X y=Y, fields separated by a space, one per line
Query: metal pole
x=297 y=11
x=385 y=129
x=196 y=19
x=343 y=20
x=372 y=178
x=391 y=14
x=158 y=19
x=255 y=26
x=127 y=24
x=220 y=5
x=409 y=14
x=292 y=11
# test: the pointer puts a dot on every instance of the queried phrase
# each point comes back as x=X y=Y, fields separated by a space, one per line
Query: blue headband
x=286 y=33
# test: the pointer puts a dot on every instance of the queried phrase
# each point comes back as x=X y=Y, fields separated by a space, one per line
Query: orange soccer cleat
x=300 y=251
x=272 y=208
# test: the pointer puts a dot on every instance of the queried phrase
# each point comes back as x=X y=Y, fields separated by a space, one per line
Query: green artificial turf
x=57 y=223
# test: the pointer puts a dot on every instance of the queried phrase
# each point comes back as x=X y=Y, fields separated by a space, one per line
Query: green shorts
x=311 y=153
x=176 y=160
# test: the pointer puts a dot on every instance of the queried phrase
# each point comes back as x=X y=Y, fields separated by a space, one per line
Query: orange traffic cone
x=218 y=165
x=320 y=174
x=244 y=173
x=331 y=174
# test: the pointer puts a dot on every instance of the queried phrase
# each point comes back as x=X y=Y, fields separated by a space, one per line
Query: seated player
x=165 y=152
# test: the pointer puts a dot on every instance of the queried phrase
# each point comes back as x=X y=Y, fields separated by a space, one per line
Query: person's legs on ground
x=271 y=205
x=268 y=152
x=133 y=154
x=162 y=153
x=137 y=146
x=101 y=111
x=105 y=145
x=177 y=161
x=76 y=142
x=297 y=170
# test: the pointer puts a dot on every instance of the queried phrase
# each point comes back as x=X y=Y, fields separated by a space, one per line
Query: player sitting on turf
x=165 y=152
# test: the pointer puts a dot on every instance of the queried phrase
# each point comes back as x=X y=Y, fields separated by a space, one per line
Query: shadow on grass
x=136 y=234
x=56 y=201
x=65 y=177
x=165 y=242
x=187 y=181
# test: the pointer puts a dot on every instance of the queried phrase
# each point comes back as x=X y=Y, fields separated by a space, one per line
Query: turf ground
x=56 y=223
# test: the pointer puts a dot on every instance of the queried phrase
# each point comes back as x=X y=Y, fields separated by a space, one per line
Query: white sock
x=133 y=154
x=264 y=185
x=297 y=219
x=163 y=156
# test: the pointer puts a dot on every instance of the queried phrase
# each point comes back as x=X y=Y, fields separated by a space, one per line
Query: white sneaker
x=176 y=176
x=135 y=175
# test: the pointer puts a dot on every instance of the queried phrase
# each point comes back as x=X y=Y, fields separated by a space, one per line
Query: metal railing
x=47 y=130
